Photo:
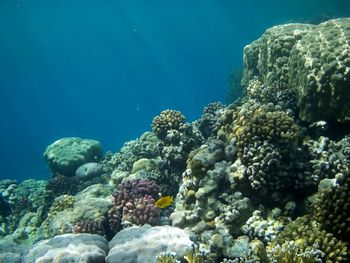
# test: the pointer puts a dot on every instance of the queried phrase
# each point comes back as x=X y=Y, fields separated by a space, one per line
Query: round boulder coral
x=167 y=120
x=319 y=67
x=66 y=155
x=267 y=57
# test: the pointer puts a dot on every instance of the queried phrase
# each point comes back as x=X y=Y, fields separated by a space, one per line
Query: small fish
x=164 y=201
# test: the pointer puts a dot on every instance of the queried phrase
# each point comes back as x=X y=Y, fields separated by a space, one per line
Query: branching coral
x=293 y=252
x=134 y=201
x=166 y=121
x=62 y=185
x=306 y=236
x=276 y=127
x=144 y=147
x=332 y=209
x=91 y=227
x=208 y=123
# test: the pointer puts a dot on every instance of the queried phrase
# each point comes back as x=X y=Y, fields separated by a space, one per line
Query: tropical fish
x=164 y=201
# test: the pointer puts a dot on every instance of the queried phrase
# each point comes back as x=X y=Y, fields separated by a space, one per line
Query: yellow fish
x=164 y=201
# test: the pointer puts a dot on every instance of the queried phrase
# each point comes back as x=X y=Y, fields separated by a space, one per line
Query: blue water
x=103 y=69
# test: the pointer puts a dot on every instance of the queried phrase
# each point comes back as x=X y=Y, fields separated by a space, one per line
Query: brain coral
x=320 y=71
x=66 y=155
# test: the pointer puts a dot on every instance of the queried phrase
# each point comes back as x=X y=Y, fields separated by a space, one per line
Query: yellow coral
x=194 y=256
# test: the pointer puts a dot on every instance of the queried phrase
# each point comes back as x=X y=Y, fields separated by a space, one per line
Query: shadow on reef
x=264 y=179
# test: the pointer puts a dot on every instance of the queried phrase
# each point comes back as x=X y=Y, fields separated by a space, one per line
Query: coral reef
x=143 y=244
x=332 y=209
x=276 y=93
x=207 y=202
x=167 y=121
x=264 y=179
x=144 y=147
x=306 y=238
x=266 y=230
x=64 y=156
x=92 y=203
x=319 y=67
x=135 y=201
x=269 y=145
x=311 y=60
x=296 y=252
x=208 y=123
x=268 y=57
x=62 y=185
x=91 y=227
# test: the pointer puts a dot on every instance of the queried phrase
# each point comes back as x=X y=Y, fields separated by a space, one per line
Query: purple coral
x=60 y=185
x=91 y=227
x=142 y=211
x=132 y=189
x=134 y=201
x=115 y=216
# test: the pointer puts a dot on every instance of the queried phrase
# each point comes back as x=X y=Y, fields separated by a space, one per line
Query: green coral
x=277 y=127
x=64 y=156
x=61 y=203
x=166 y=257
x=146 y=146
x=194 y=256
x=306 y=237
x=296 y=252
